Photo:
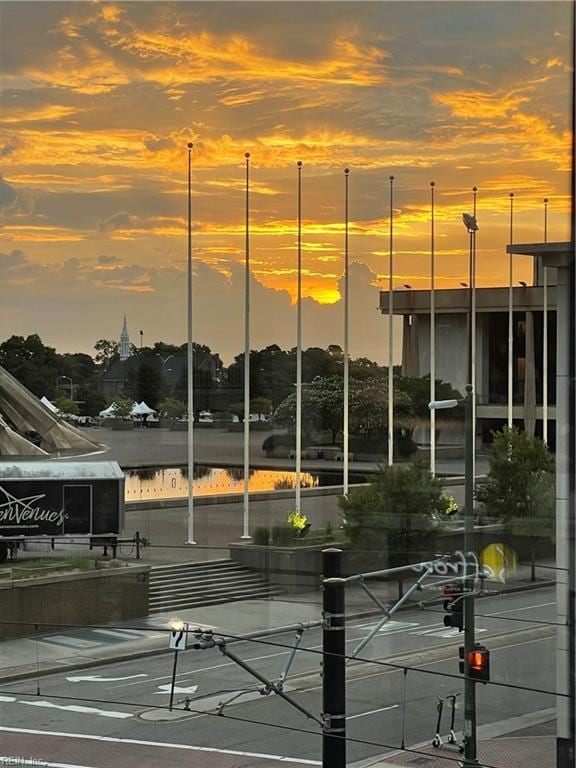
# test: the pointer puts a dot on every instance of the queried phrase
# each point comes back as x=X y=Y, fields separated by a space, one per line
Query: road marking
x=167 y=688
x=372 y=712
x=99 y=679
x=525 y=608
x=9 y=760
x=7 y=698
x=80 y=710
x=167 y=745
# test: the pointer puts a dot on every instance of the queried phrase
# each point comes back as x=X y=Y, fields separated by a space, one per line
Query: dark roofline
x=539 y=249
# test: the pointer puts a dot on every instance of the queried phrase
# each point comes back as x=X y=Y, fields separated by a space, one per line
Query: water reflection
x=172 y=482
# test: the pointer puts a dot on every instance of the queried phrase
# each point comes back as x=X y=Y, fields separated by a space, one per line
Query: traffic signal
x=454 y=605
x=478 y=663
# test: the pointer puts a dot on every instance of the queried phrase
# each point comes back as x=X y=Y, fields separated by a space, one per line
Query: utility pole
x=333 y=674
x=470 y=758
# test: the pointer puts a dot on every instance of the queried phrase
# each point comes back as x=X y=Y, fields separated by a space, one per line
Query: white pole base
x=245 y=536
x=191 y=542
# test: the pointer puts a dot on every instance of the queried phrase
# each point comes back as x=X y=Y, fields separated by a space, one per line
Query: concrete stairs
x=191 y=585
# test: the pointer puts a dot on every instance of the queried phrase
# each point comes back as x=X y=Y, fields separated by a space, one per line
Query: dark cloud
x=103 y=259
x=8 y=195
x=120 y=220
x=13 y=143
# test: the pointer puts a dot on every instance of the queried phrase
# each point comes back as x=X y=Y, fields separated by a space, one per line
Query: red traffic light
x=479 y=663
x=477 y=660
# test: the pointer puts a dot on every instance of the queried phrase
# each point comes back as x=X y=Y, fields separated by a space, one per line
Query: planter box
x=81 y=598
x=299 y=569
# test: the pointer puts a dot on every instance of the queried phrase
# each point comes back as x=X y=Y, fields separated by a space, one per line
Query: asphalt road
x=116 y=715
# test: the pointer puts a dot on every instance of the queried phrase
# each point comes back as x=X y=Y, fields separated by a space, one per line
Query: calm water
x=172 y=482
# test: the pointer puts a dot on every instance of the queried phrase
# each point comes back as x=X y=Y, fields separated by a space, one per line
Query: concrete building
x=452 y=317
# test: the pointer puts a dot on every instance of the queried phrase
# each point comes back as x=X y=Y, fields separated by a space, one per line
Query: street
x=126 y=703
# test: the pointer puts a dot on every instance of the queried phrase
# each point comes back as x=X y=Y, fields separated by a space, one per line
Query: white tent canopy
x=141 y=409
x=51 y=407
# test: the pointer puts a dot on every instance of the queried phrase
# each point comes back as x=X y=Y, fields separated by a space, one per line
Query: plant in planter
x=394 y=514
x=299 y=523
x=519 y=488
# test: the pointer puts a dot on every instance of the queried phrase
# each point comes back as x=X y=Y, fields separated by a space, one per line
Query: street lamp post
x=190 y=362
x=391 y=330
x=470 y=742
x=432 y=337
x=545 y=335
x=71 y=385
x=511 y=319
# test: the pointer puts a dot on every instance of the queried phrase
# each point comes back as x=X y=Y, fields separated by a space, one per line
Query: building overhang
x=457 y=300
x=552 y=254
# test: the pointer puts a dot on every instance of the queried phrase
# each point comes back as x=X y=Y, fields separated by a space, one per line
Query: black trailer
x=60 y=499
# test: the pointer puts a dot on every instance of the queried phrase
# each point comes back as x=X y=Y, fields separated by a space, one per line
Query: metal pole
x=246 y=521
x=545 y=335
x=432 y=339
x=299 y=348
x=473 y=341
x=331 y=563
x=391 y=331
x=190 y=365
x=510 y=318
x=469 y=632
x=346 y=351
x=333 y=675
x=173 y=681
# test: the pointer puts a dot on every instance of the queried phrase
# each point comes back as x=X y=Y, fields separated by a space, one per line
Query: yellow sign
x=498 y=562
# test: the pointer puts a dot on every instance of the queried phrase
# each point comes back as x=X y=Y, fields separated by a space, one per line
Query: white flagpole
x=510 y=317
x=473 y=340
x=545 y=336
x=299 y=348
x=190 y=366
x=246 y=526
x=391 y=331
x=432 y=337
x=346 y=329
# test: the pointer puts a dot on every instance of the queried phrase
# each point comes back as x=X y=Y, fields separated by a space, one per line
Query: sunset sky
x=99 y=100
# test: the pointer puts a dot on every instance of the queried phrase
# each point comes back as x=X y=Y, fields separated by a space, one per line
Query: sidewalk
x=528 y=741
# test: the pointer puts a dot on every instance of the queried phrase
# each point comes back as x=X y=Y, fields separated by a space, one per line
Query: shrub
x=394 y=514
x=282 y=536
x=261 y=536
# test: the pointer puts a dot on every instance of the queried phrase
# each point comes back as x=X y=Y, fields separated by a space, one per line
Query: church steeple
x=124 y=342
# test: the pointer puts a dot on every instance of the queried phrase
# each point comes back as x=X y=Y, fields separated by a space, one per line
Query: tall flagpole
x=473 y=341
x=246 y=526
x=190 y=366
x=432 y=337
x=545 y=336
x=299 y=348
x=391 y=331
x=510 y=317
x=346 y=328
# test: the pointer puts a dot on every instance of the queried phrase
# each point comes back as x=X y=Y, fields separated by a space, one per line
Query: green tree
x=323 y=407
x=35 y=365
x=122 y=407
x=67 y=406
x=172 y=407
x=394 y=513
x=261 y=405
x=519 y=488
x=106 y=351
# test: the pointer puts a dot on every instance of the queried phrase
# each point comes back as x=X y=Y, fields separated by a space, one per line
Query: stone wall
x=96 y=597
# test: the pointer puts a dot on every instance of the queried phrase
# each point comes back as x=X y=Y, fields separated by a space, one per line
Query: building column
x=562 y=512
x=410 y=347
x=529 y=377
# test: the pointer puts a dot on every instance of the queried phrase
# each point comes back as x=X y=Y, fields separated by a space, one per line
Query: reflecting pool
x=172 y=482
